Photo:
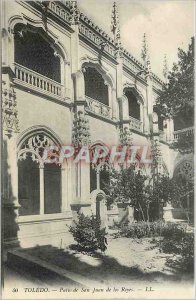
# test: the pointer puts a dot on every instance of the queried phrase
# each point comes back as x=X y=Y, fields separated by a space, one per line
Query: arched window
x=95 y=86
x=39 y=184
x=134 y=106
x=29 y=187
x=35 y=53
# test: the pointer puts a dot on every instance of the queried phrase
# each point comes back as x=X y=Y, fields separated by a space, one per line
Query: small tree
x=175 y=190
x=178 y=95
x=127 y=186
x=88 y=234
x=176 y=99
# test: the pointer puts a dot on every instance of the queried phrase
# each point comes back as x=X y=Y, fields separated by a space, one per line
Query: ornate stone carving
x=81 y=134
x=165 y=70
x=75 y=13
x=157 y=160
x=9 y=110
x=125 y=135
x=35 y=146
x=146 y=57
x=115 y=25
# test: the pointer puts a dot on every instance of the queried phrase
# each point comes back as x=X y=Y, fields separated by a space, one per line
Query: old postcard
x=97 y=149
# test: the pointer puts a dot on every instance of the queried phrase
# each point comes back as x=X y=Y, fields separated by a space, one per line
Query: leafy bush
x=174 y=231
x=150 y=229
x=183 y=246
x=88 y=234
x=187 y=252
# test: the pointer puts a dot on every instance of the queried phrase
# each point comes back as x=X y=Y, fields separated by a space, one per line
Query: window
x=93 y=179
x=52 y=188
x=95 y=87
x=29 y=187
x=134 y=106
x=35 y=53
x=39 y=184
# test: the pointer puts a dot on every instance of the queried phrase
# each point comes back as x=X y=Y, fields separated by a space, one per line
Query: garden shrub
x=88 y=234
x=142 y=229
x=152 y=229
x=183 y=246
x=187 y=252
x=174 y=231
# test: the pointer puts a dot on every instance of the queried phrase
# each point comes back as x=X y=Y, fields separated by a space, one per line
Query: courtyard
x=128 y=265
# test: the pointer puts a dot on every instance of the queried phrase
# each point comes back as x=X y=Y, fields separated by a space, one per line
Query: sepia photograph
x=97 y=149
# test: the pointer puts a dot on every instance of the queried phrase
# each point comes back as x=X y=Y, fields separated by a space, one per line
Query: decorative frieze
x=9 y=109
x=94 y=37
x=60 y=11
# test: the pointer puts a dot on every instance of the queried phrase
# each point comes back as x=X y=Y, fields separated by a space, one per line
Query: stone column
x=81 y=165
x=148 y=106
x=169 y=130
x=9 y=162
x=10 y=203
x=142 y=116
x=115 y=110
x=119 y=75
x=41 y=180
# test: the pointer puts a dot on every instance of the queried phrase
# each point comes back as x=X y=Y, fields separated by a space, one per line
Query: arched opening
x=52 y=188
x=29 y=187
x=34 y=52
x=133 y=105
x=39 y=183
x=95 y=86
x=93 y=179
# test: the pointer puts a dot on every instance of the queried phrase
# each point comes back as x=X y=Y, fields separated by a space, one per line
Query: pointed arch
x=130 y=86
x=37 y=26
x=40 y=182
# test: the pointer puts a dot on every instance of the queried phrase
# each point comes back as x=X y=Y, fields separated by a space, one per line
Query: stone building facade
x=64 y=81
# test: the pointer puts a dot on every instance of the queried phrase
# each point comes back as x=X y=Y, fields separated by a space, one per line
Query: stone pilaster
x=81 y=140
x=9 y=161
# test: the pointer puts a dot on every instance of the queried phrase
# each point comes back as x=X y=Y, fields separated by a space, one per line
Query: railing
x=37 y=81
x=135 y=124
x=98 y=108
x=183 y=133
